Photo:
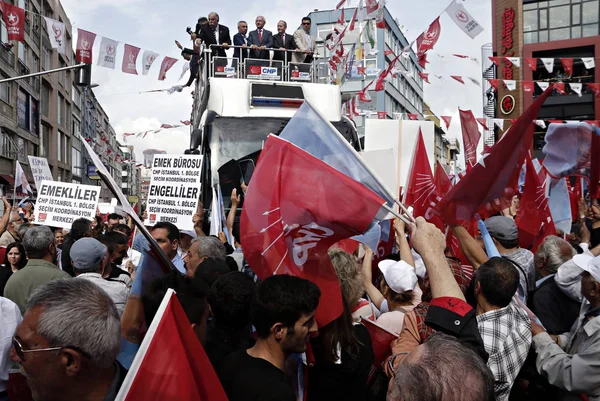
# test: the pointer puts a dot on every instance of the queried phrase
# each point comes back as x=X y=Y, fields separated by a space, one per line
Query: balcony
x=7 y=55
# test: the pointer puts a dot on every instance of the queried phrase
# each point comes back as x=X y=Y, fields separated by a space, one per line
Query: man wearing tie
x=260 y=40
x=305 y=41
x=240 y=39
x=213 y=34
x=283 y=41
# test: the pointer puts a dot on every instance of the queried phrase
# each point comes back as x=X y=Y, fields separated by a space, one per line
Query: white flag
x=186 y=68
x=56 y=33
x=499 y=122
x=21 y=184
x=576 y=88
x=589 y=62
x=511 y=85
x=549 y=64
x=215 y=215
x=516 y=61
x=540 y=123
x=463 y=19
x=148 y=59
x=108 y=53
x=543 y=85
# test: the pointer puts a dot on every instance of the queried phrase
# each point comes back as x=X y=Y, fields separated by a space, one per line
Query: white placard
x=174 y=190
x=59 y=204
x=40 y=170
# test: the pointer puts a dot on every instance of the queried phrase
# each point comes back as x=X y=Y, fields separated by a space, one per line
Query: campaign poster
x=59 y=204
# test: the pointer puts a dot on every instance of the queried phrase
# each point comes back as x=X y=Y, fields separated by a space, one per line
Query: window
x=23 y=111
x=76 y=128
x=559 y=34
x=44 y=141
x=5 y=91
x=45 y=99
x=61 y=107
x=59 y=146
x=560 y=16
x=22 y=49
x=590 y=12
x=35 y=64
x=576 y=14
x=579 y=16
x=76 y=162
x=544 y=18
x=590 y=30
x=530 y=21
x=65 y=150
x=76 y=97
x=61 y=74
x=3 y=33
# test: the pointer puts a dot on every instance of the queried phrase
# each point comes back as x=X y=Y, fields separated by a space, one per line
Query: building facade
x=547 y=29
x=403 y=94
x=41 y=116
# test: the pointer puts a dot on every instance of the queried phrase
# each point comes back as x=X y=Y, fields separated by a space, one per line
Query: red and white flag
x=447 y=120
x=372 y=7
x=130 y=55
x=14 y=19
x=463 y=19
x=107 y=56
x=379 y=16
x=424 y=76
x=285 y=233
x=458 y=78
x=528 y=86
x=380 y=84
x=471 y=136
x=85 y=43
x=429 y=38
x=483 y=122
x=165 y=66
x=567 y=64
x=531 y=62
x=171 y=363
x=56 y=34
x=413 y=117
x=148 y=58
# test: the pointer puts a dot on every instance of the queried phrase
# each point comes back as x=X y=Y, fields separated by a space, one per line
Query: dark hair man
x=113 y=220
x=117 y=246
x=68 y=342
x=283 y=313
x=167 y=237
x=305 y=41
x=40 y=269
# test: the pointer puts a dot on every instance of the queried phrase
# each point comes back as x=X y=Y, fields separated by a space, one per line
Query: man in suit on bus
x=260 y=40
x=215 y=34
x=283 y=41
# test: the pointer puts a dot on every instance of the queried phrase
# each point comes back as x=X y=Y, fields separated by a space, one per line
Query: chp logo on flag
x=152 y=218
x=58 y=33
x=255 y=70
x=462 y=16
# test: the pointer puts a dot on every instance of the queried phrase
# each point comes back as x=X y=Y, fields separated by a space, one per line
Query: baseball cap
x=399 y=276
x=590 y=264
x=502 y=228
x=190 y=233
x=87 y=253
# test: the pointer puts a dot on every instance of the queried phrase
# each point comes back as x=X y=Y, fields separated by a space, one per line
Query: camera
x=189 y=30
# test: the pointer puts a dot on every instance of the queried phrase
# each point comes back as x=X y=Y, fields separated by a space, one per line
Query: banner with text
x=174 y=190
x=40 y=170
x=59 y=204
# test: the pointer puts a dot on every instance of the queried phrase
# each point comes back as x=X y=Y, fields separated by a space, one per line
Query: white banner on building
x=174 y=190
x=108 y=53
x=40 y=170
x=59 y=204
x=56 y=33
x=463 y=19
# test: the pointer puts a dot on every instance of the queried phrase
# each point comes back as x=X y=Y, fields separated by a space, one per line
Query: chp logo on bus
x=256 y=71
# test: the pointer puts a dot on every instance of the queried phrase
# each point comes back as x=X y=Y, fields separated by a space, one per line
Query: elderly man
x=68 y=342
x=201 y=249
x=88 y=259
x=40 y=269
x=571 y=361
x=12 y=230
x=260 y=40
x=555 y=309
x=216 y=35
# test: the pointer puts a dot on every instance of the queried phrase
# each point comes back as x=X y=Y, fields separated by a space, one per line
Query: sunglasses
x=21 y=352
x=306 y=23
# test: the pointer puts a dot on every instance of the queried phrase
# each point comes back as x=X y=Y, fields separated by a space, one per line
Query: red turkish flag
x=447 y=120
x=531 y=62
x=380 y=84
x=171 y=363
x=496 y=175
x=130 y=55
x=382 y=115
x=165 y=66
x=424 y=76
x=14 y=19
x=289 y=222
x=575 y=193
x=528 y=86
x=495 y=60
x=494 y=83
x=361 y=70
x=413 y=117
x=483 y=122
x=567 y=64
x=458 y=78
x=595 y=88
x=429 y=38
x=471 y=136
x=533 y=208
x=85 y=43
x=594 y=167
x=423 y=60
x=353 y=21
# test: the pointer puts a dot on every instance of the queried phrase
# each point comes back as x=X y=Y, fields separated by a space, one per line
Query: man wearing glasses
x=68 y=342
x=305 y=41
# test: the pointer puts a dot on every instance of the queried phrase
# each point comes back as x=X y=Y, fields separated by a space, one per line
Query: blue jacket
x=267 y=41
x=238 y=40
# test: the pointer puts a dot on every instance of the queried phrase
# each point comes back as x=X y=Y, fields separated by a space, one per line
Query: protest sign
x=61 y=203
x=174 y=190
x=40 y=170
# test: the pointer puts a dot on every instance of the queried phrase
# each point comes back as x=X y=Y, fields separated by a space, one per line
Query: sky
x=155 y=25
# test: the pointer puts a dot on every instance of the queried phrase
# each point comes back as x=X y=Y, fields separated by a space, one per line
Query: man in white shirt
x=10 y=316
x=87 y=256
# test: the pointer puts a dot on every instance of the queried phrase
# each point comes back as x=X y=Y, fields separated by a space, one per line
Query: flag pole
x=582 y=192
x=398 y=215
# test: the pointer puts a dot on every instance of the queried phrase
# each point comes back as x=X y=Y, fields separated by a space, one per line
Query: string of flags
x=532 y=62
x=184 y=123
x=14 y=18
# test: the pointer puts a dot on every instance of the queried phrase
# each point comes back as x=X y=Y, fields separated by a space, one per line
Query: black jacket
x=278 y=43
x=556 y=311
x=207 y=36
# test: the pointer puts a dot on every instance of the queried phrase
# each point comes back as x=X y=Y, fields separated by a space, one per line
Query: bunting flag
x=457 y=78
x=494 y=83
x=549 y=64
x=560 y=88
x=340 y=4
x=380 y=17
x=474 y=81
x=429 y=38
x=130 y=59
x=516 y=61
x=495 y=60
x=528 y=86
x=424 y=76
x=463 y=19
x=589 y=62
x=370 y=30
x=511 y=85
x=532 y=63
x=342 y=19
x=364 y=94
x=85 y=43
x=447 y=120
x=567 y=64
x=499 y=122
x=108 y=53
x=372 y=7
x=471 y=136
x=380 y=84
x=543 y=85
x=148 y=57
x=413 y=117
x=165 y=66
x=56 y=33
x=483 y=122
x=14 y=19
x=353 y=20
x=595 y=88
x=460 y=56
x=576 y=88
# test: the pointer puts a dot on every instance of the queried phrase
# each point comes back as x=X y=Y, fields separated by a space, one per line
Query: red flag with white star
x=14 y=19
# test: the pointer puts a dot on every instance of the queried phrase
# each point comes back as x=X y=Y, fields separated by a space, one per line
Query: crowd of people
x=263 y=46
x=519 y=326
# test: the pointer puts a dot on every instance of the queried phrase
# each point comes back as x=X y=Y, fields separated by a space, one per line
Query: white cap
x=191 y=233
x=399 y=276
x=419 y=264
x=589 y=264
